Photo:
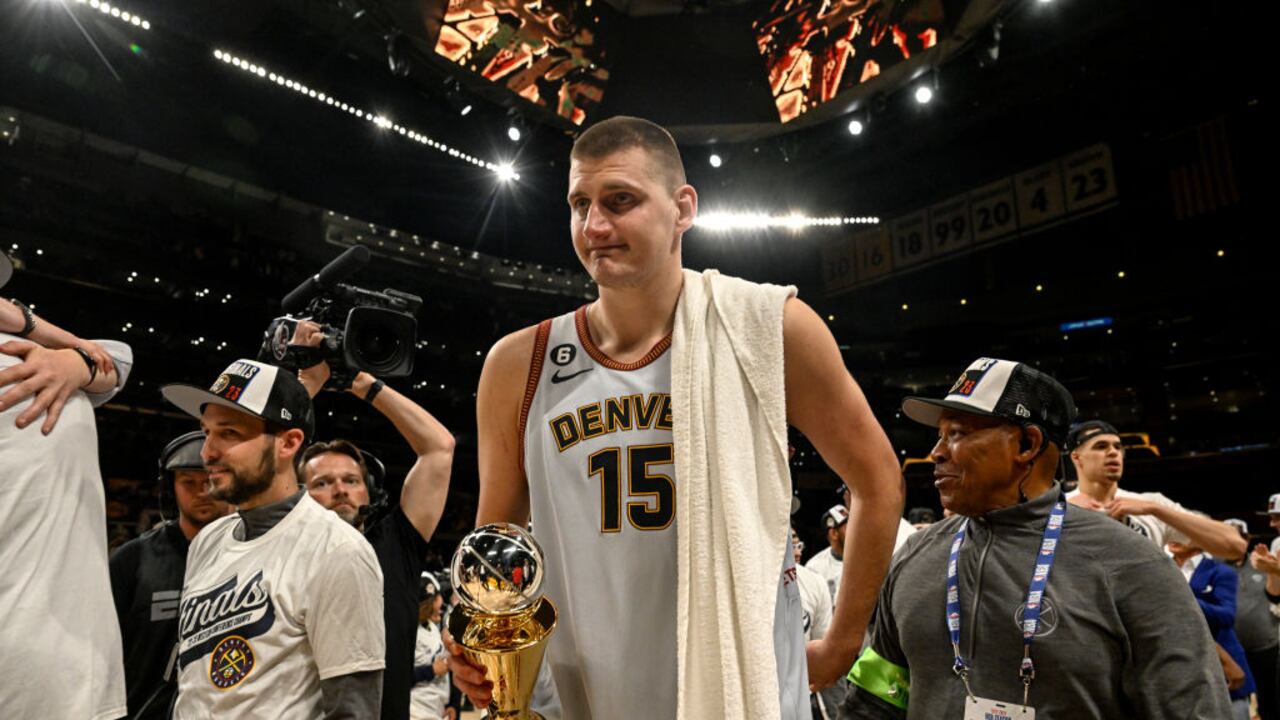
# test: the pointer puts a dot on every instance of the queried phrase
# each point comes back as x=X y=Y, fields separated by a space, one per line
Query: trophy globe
x=503 y=622
x=497 y=570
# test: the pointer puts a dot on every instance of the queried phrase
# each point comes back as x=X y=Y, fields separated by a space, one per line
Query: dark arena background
x=1078 y=184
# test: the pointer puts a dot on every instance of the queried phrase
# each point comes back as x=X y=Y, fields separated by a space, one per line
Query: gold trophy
x=503 y=621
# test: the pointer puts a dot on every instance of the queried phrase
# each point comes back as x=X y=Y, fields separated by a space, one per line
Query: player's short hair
x=623 y=132
x=344 y=447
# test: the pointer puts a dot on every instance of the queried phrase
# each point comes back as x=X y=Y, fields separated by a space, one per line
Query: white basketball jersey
x=598 y=456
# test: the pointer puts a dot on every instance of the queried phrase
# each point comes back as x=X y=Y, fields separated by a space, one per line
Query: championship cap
x=263 y=391
x=1273 y=505
x=430 y=585
x=1003 y=389
x=1081 y=432
x=1239 y=525
x=835 y=517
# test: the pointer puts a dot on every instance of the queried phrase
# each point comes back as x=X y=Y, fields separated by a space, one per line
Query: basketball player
x=575 y=427
x=281 y=612
x=1098 y=455
x=146 y=578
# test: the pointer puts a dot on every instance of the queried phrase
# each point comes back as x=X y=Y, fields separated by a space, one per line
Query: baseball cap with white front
x=835 y=517
x=1005 y=389
x=258 y=389
x=1273 y=505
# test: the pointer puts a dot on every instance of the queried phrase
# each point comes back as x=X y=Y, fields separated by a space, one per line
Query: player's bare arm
x=825 y=404
x=1213 y=536
x=504 y=492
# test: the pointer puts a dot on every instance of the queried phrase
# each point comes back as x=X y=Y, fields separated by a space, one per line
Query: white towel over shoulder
x=734 y=498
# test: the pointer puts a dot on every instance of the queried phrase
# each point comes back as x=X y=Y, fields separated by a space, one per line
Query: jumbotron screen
x=816 y=49
x=544 y=51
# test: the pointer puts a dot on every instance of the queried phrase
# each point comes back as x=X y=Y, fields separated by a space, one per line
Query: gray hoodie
x=1120 y=634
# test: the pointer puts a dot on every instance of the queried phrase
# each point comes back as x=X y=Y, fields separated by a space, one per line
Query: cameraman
x=336 y=476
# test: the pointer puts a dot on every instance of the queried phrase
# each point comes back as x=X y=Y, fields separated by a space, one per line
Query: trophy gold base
x=510 y=649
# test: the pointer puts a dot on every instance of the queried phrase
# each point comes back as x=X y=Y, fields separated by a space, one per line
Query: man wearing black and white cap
x=147 y=573
x=1022 y=601
x=829 y=562
x=1095 y=449
x=281 y=612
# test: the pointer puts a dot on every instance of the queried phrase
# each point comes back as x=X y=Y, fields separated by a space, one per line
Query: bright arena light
x=505 y=172
x=760 y=221
x=924 y=94
x=513 y=132
x=855 y=127
x=715 y=160
x=107 y=8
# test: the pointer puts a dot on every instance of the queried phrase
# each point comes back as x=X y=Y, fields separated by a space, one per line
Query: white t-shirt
x=428 y=698
x=815 y=598
x=830 y=567
x=262 y=622
x=60 y=651
x=1149 y=526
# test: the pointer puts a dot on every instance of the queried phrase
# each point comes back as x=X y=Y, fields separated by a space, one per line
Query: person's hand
x=449 y=714
x=100 y=357
x=440 y=665
x=308 y=334
x=361 y=383
x=828 y=662
x=1085 y=502
x=1263 y=561
x=1120 y=508
x=468 y=678
x=50 y=375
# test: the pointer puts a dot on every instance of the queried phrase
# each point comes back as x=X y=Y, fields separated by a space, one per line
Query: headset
x=183 y=452
x=378 y=500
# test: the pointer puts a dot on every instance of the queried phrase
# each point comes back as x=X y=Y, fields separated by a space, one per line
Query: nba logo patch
x=231 y=662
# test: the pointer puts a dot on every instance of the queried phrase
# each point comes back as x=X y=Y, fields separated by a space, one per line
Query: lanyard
x=1030 y=608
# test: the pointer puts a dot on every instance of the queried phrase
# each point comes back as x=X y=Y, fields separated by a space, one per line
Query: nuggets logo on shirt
x=231 y=662
x=220 y=622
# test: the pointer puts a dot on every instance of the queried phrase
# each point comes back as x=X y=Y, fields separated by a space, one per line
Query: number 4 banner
x=1039 y=195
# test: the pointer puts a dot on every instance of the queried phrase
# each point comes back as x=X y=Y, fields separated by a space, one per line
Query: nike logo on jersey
x=558 y=378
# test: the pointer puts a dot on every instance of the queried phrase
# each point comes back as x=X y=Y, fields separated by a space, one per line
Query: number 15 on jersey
x=651 y=503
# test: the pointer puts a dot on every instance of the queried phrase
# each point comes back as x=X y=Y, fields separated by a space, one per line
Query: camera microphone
x=356 y=257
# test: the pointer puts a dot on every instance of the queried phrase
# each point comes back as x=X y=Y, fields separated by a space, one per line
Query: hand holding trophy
x=503 y=622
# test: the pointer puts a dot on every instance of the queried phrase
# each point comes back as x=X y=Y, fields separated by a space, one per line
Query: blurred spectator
x=1213 y=583
x=1257 y=629
x=430 y=698
x=146 y=578
x=921 y=517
